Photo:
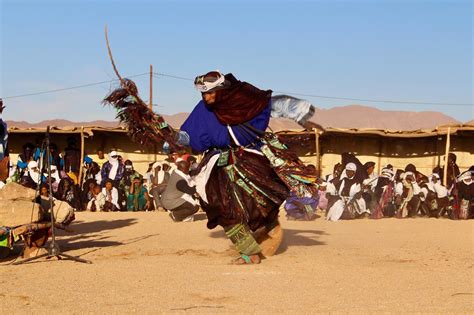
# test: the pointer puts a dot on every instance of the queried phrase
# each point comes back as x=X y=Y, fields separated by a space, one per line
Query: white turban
x=32 y=165
x=466 y=176
x=351 y=167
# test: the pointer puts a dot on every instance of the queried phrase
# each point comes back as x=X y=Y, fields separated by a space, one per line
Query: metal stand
x=53 y=249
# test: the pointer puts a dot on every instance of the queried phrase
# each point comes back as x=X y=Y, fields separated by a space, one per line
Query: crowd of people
x=354 y=190
x=108 y=183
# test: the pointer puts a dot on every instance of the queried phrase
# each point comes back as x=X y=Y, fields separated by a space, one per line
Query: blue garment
x=38 y=153
x=205 y=131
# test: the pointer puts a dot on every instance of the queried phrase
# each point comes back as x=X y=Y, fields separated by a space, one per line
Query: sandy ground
x=145 y=263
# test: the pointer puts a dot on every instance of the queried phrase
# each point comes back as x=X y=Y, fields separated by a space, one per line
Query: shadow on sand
x=81 y=227
x=87 y=235
x=291 y=237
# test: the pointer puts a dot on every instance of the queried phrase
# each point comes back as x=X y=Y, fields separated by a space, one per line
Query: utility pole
x=151 y=87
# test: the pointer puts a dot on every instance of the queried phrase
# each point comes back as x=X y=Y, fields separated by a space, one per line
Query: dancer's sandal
x=246 y=260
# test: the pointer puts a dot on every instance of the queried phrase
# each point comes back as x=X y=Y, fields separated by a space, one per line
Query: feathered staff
x=144 y=126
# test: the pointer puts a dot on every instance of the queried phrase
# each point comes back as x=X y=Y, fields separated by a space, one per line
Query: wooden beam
x=446 y=154
x=81 y=165
x=318 y=153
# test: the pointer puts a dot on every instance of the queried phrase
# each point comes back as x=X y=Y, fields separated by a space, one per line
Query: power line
x=374 y=101
x=158 y=74
x=338 y=97
x=70 y=88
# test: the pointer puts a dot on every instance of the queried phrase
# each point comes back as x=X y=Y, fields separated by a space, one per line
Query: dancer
x=245 y=174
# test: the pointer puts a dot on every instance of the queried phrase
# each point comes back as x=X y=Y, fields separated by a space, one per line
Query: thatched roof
x=439 y=131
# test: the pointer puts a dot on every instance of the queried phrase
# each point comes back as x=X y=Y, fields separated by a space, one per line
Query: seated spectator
x=434 y=197
x=112 y=169
x=111 y=196
x=125 y=183
x=33 y=177
x=384 y=194
x=55 y=178
x=69 y=192
x=138 y=199
x=407 y=192
x=368 y=185
x=301 y=208
x=97 y=201
x=346 y=200
x=87 y=192
x=323 y=201
x=93 y=172
x=178 y=197
x=55 y=157
x=24 y=158
x=465 y=195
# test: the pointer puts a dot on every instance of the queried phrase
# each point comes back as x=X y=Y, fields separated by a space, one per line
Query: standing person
x=138 y=199
x=453 y=171
x=72 y=159
x=112 y=169
x=178 y=197
x=245 y=174
x=101 y=159
x=159 y=179
x=4 y=159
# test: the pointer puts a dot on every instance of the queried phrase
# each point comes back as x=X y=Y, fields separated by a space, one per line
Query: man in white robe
x=346 y=197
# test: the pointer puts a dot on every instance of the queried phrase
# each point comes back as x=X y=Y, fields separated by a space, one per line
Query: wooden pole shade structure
x=318 y=153
x=446 y=154
x=81 y=165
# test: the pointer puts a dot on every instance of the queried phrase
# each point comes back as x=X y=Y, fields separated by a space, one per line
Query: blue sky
x=395 y=50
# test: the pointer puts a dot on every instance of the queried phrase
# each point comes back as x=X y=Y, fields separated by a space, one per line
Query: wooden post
x=446 y=154
x=318 y=154
x=81 y=165
x=379 y=158
x=151 y=87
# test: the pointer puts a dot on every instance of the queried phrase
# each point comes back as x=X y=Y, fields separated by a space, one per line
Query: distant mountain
x=352 y=116
x=471 y=122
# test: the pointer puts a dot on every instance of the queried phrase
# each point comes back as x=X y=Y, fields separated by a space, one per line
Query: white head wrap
x=115 y=165
x=32 y=165
x=351 y=167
